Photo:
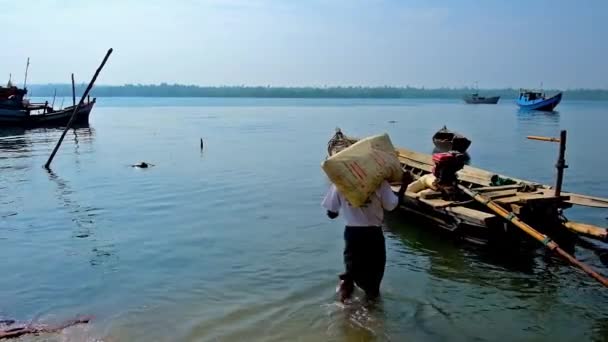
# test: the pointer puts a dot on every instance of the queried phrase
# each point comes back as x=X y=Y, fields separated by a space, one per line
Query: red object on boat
x=439 y=158
x=446 y=166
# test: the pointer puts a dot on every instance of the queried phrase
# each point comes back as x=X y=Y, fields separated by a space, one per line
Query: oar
x=542 y=238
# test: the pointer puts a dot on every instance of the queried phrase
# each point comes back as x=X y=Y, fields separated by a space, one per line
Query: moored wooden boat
x=27 y=116
x=16 y=111
x=446 y=140
x=476 y=99
x=533 y=202
x=536 y=100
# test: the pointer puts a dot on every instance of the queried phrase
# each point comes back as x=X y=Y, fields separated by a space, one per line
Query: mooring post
x=86 y=93
x=561 y=163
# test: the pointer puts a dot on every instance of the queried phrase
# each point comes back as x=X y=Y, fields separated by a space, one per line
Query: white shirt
x=370 y=214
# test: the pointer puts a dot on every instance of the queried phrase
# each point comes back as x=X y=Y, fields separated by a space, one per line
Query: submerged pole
x=73 y=91
x=86 y=93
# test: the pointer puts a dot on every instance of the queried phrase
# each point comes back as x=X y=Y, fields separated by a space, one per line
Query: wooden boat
x=16 y=111
x=446 y=140
x=533 y=202
x=40 y=115
x=11 y=90
x=536 y=100
x=476 y=99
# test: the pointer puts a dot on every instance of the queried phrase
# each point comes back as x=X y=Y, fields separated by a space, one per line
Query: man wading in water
x=364 y=248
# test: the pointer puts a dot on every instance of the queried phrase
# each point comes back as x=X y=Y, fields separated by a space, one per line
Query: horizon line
x=317 y=87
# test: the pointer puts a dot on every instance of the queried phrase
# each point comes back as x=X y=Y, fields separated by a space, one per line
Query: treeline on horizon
x=177 y=90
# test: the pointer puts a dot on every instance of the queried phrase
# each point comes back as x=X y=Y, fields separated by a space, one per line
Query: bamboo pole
x=535 y=137
x=86 y=92
x=27 y=67
x=542 y=238
x=73 y=91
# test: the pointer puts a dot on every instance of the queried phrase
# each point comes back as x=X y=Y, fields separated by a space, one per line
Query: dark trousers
x=364 y=259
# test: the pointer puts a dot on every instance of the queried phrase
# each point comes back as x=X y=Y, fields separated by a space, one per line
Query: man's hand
x=331 y=214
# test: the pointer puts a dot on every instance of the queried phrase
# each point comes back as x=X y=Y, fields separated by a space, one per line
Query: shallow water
x=231 y=244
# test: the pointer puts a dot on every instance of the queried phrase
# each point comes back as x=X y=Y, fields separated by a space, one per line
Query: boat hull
x=481 y=100
x=547 y=105
x=20 y=118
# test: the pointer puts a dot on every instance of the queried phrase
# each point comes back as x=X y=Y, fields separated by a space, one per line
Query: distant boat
x=446 y=140
x=15 y=111
x=476 y=99
x=536 y=100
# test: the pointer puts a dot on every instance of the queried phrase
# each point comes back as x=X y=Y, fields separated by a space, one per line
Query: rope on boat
x=542 y=238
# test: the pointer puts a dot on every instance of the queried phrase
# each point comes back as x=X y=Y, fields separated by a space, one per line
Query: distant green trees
x=178 y=90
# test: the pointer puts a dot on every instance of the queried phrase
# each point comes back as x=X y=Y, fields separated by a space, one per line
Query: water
x=231 y=244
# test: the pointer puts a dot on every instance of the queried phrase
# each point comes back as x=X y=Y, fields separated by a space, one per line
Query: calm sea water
x=230 y=244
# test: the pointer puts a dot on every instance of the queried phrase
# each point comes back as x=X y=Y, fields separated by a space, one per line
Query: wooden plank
x=435 y=203
x=501 y=193
x=585 y=200
x=525 y=198
x=588 y=230
x=498 y=187
x=471 y=215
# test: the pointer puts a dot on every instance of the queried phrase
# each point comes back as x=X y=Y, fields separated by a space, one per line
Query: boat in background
x=446 y=140
x=537 y=100
x=476 y=99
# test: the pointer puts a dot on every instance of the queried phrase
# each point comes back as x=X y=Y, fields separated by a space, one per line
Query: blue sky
x=290 y=43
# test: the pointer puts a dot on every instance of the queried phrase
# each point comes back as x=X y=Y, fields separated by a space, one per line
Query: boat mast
x=54 y=95
x=27 y=66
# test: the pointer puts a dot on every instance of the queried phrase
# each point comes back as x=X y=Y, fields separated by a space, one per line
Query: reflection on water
x=451 y=258
x=84 y=219
x=538 y=116
x=12 y=140
x=15 y=139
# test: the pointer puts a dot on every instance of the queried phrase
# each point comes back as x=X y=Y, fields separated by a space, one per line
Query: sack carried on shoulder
x=358 y=170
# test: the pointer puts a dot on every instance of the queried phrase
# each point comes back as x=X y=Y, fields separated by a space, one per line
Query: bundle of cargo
x=359 y=169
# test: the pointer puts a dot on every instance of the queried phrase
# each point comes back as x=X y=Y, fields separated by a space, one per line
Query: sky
x=433 y=43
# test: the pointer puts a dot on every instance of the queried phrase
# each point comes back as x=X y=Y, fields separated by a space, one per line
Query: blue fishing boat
x=535 y=100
